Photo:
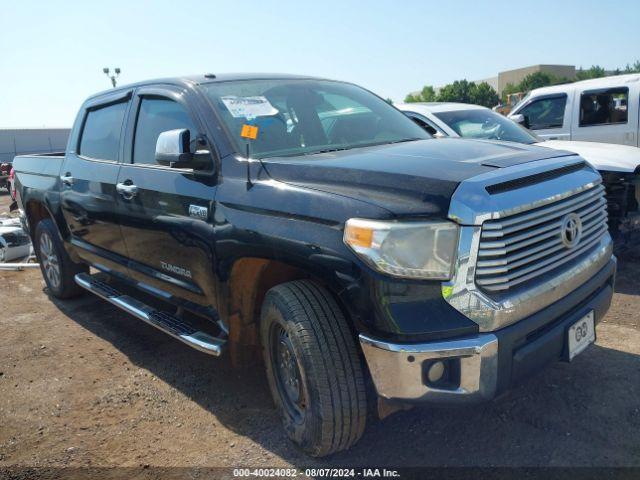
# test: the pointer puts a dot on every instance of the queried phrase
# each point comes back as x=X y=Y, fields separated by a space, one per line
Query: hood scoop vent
x=533 y=179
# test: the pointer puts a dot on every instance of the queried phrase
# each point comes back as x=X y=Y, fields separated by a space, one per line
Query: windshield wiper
x=403 y=140
x=327 y=150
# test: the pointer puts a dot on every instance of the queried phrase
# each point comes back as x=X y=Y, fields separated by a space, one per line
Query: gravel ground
x=82 y=384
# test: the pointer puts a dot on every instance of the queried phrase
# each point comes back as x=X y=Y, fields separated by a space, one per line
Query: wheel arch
x=249 y=280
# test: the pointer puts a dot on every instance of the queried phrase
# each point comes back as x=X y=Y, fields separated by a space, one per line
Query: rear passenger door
x=88 y=181
x=165 y=212
x=606 y=115
x=549 y=116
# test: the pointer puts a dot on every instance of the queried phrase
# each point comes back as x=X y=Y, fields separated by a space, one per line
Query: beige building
x=516 y=76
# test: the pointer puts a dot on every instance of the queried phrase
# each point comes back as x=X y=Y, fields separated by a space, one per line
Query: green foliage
x=428 y=94
x=461 y=91
x=596 y=71
x=635 y=68
x=464 y=91
x=458 y=91
x=484 y=94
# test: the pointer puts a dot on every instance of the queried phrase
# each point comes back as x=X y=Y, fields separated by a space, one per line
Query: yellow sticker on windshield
x=249 y=131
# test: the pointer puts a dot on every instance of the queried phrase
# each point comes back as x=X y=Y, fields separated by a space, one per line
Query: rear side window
x=101 y=133
x=545 y=113
x=603 y=107
x=157 y=115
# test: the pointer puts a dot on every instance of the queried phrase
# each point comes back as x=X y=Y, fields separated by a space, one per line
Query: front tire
x=57 y=267
x=313 y=368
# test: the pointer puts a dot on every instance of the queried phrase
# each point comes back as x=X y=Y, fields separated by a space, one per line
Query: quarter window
x=157 y=115
x=603 y=107
x=545 y=113
x=101 y=133
x=426 y=126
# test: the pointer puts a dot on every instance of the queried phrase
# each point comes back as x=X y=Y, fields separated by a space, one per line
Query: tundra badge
x=175 y=269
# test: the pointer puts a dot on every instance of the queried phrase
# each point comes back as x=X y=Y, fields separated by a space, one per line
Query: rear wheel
x=57 y=267
x=313 y=368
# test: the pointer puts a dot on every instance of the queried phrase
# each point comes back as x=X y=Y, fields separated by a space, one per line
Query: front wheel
x=313 y=368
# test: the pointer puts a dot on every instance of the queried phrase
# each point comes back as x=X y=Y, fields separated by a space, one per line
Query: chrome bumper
x=398 y=369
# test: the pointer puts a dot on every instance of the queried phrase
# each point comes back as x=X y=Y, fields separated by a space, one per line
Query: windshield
x=486 y=124
x=303 y=117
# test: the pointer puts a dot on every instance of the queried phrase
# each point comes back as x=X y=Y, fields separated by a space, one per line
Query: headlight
x=423 y=250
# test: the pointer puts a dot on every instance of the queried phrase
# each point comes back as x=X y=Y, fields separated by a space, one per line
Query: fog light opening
x=442 y=374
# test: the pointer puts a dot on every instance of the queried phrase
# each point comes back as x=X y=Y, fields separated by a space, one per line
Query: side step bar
x=166 y=322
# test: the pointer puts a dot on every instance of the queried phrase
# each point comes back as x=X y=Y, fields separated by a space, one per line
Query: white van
x=599 y=110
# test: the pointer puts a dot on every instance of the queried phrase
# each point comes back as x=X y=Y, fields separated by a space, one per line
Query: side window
x=101 y=132
x=603 y=107
x=157 y=115
x=426 y=126
x=545 y=113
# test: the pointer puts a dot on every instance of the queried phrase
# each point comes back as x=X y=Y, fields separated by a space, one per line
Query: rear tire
x=57 y=267
x=313 y=368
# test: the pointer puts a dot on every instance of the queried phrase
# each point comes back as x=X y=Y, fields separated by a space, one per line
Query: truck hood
x=413 y=178
x=608 y=157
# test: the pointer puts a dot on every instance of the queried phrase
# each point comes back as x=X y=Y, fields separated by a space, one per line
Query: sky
x=52 y=52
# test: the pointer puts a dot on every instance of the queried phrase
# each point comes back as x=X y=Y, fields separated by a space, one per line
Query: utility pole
x=112 y=77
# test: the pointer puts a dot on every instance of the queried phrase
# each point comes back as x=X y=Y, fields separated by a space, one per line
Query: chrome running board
x=164 y=321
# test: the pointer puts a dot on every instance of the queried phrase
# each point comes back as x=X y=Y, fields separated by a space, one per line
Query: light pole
x=112 y=77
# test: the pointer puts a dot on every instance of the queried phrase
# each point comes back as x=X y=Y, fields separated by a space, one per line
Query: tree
x=428 y=94
x=596 y=71
x=536 y=80
x=508 y=89
x=411 y=98
x=635 y=68
x=468 y=92
x=483 y=94
x=458 y=91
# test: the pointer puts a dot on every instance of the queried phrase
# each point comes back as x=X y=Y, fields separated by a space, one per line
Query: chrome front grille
x=519 y=248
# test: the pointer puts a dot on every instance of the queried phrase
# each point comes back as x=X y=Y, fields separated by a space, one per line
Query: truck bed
x=40 y=164
x=39 y=175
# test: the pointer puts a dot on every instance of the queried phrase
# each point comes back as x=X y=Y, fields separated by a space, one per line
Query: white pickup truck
x=619 y=165
x=598 y=110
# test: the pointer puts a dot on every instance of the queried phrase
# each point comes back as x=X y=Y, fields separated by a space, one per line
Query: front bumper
x=485 y=365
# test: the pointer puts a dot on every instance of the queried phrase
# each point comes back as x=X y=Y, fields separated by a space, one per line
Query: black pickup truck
x=312 y=223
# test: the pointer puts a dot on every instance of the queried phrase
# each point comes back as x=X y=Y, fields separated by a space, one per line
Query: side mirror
x=521 y=119
x=172 y=150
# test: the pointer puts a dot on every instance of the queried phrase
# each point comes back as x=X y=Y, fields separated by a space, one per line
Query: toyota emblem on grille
x=571 y=230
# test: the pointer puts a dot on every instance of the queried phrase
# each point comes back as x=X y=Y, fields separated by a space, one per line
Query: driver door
x=165 y=212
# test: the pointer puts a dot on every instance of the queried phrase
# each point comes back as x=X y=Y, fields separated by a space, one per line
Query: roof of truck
x=189 y=80
x=603 y=82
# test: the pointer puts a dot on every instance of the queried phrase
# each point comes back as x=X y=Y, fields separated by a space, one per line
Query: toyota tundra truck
x=309 y=223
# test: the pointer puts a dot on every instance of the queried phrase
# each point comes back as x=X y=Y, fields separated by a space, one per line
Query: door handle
x=67 y=179
x=127 y=190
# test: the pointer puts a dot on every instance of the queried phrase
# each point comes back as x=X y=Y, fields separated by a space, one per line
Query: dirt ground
x=83 y=384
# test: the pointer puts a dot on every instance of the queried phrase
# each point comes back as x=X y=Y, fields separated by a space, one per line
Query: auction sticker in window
x=248 y=107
